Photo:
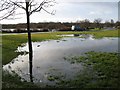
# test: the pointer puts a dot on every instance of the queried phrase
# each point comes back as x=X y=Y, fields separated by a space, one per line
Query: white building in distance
x=73 y=27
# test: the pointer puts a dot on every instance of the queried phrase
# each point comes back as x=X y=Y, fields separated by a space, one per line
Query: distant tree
x=87 y=23
x=18 y=27
x=84 y=23
x=97 y=23
x=98 y=20
x=112 y=23
x=107 y=24
x=117 y=24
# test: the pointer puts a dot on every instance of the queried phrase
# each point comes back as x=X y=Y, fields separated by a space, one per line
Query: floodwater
x=48 y=57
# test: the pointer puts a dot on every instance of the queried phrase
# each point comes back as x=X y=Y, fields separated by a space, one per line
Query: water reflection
x=48 y=58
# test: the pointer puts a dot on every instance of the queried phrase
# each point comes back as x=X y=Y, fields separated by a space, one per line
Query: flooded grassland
x=81 y=61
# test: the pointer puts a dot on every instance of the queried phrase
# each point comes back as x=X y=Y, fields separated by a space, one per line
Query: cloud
x=99 y=12
x=74 y=10
x=94 y=13
x=66 y=1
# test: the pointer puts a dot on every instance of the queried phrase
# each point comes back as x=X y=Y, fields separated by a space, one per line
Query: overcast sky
x=73 y=10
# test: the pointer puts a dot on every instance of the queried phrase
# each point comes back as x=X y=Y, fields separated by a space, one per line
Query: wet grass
x=11 y=42
x=13 y=81
x=101 y=70
x=9 y=45
x=53 y=78
x=100 y=34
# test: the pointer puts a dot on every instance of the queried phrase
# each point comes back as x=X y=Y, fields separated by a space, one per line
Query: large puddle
x=48 y=58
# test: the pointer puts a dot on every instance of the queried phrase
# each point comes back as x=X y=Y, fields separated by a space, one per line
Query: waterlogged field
x=101 y=70
x=85 y=79
x=11 y=42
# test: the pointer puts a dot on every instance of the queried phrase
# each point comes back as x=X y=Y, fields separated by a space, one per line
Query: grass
x=13 y=81
x=11 y=42
x=101 y=70
x=97 y=34
x=112 y=33
x=96 y=29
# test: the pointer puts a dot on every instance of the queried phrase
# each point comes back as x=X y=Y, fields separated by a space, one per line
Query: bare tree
x=84 y=23
x=107 y=23
x=112 y=22
x=8 y=10
x=87 y=23
x=97 y=22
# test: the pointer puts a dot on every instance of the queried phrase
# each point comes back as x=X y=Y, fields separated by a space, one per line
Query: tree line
x=65 y=26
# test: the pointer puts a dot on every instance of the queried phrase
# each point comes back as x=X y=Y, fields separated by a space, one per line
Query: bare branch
x=38 y=8
x=52 y=13
x=43 y=5
x=9 y=13
x=6 y=6
x=18 y=4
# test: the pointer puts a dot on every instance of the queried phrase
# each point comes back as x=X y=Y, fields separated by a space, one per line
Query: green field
x=11 y=42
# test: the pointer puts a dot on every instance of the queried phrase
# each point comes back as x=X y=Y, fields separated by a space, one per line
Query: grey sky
x=73 y=10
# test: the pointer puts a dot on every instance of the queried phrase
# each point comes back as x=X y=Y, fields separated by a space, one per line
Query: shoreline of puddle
x=48 y=57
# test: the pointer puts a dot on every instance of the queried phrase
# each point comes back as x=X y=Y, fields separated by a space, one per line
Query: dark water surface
x=48 y=57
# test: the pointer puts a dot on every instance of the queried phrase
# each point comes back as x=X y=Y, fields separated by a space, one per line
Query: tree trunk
x=29 y=41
